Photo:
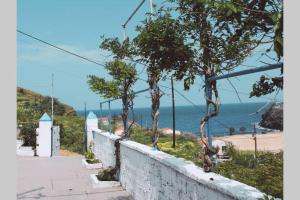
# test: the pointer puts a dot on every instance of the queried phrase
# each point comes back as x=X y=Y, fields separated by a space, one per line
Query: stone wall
x=154 y=175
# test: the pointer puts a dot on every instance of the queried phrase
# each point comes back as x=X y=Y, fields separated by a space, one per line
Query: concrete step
x=19 y=143
x=25 y=151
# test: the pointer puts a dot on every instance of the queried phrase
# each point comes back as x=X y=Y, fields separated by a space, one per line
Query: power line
x=100 y=64
x=57 y=47
x=66 y=51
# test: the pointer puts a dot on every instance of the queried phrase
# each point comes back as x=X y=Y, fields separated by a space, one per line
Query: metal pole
x=125 y=34
x=52 y=85
x=255 y=143
x=151 y=7
x=52 y=115
x=110 y=127
x=255 y=140
x=173 y=109
x=101 y=115
x=85 y=134
x=244 y=72
x=138 y=7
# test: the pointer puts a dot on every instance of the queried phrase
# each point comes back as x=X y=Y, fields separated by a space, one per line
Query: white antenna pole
x=125 y=35
x=52 y=80
x=151 y=7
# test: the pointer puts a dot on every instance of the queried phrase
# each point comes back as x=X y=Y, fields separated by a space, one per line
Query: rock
x=273 y=117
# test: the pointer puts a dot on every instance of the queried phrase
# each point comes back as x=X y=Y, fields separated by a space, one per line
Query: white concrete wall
x=154 y=175
x=44 y=139
x=104 y=147
x=91 y=125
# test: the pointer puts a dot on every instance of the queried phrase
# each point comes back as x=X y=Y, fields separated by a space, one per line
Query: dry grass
x=64 y=152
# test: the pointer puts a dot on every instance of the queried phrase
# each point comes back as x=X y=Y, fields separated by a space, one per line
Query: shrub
x=71 y=133
x=242 y=129
x=231 y=130
x=107 y=174
x=28 y=134
x=90 y=157
x=265 y=172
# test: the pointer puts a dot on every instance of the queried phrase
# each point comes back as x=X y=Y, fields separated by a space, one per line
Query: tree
x=242 y=129
x=267 y=85
x=123 y=77
x=46 y=105
x=161 y=47
x=231 y=130
x=28 y=134
x=223 y=34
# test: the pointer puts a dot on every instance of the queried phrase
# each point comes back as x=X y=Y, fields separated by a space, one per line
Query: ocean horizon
x=231 y=115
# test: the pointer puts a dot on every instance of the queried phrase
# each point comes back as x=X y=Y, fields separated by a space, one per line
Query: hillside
x=30 y=103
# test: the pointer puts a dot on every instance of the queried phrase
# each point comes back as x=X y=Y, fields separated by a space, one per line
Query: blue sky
x=77 y=26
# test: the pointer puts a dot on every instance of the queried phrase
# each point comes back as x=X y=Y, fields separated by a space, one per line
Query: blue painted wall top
x=45 y=117
x=91 y=115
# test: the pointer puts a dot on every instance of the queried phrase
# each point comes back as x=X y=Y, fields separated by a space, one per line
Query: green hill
x=31 y=106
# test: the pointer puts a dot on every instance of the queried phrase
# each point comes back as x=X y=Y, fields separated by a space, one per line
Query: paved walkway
x=62 y=178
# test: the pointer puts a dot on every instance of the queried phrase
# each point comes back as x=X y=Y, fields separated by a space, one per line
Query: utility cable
x=62 y=49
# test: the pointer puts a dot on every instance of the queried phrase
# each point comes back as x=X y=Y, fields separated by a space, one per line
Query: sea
x=243 y=117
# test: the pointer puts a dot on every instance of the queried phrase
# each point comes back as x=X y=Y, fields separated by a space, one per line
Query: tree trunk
x=155 y=114
x=155 y=98
x=210 y=88
x=125 y=112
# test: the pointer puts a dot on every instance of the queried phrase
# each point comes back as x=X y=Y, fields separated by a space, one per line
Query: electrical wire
x=62 y=49
x=100 y=64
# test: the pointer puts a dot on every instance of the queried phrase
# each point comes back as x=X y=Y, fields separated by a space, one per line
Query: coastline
x=270 y=141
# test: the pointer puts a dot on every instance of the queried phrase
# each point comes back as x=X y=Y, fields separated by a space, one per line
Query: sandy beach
x=272 y=141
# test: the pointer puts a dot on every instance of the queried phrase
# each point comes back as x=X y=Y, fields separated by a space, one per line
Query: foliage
x=71 y=133
x=221 y=37
x=224 y=33
x=231 y=131
x=277 y=18
x=160 y=46
x=187 y=146
x=120 y=50
x=90 y=157
x=265 y=172
x=123 y=75
x=31 y=106
x=266 y=86
x=45 y=105
x=28 y=134
x=26 y=116
x=34 y=105
x=107 y=174
x=242 y=129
